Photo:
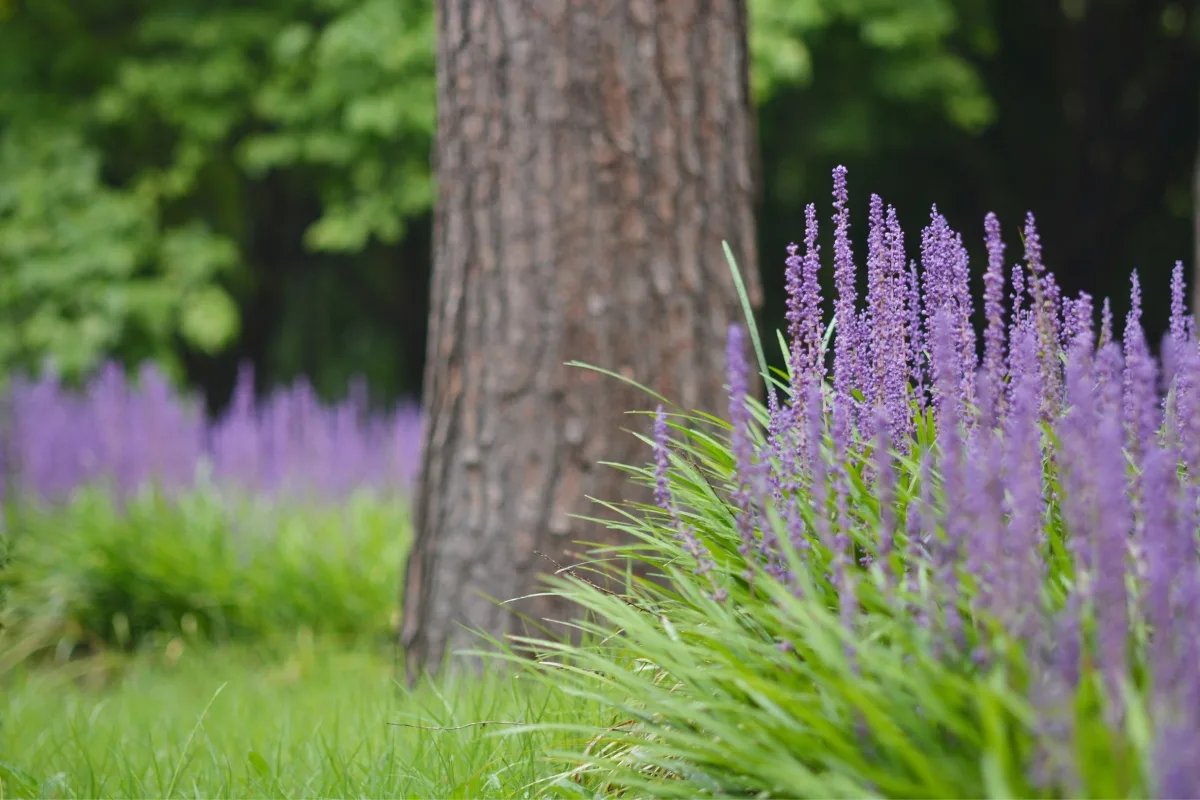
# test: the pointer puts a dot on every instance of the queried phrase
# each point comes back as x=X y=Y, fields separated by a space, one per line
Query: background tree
x=290 y=142
x=590 y=158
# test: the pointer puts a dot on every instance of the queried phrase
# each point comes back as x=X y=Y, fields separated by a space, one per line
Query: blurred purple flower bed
x=129 y=434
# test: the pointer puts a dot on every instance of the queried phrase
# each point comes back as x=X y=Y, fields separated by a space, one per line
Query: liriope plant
x=926 y=574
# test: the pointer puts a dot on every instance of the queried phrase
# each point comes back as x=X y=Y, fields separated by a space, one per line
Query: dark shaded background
x=309 y=124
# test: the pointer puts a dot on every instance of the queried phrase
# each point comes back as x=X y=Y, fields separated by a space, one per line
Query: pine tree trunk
x=590 y=157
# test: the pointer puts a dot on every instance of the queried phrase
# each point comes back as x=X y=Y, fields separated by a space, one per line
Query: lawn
x=298 y=718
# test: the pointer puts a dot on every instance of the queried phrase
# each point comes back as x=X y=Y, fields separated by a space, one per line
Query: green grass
x=213 y=646
x=306 y=719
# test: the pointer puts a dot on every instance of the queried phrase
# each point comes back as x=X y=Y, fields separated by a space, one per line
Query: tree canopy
x=203 y=183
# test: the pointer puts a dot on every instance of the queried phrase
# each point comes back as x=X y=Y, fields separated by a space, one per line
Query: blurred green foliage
x=908 y=51
x=93 y=574
x=182 y=179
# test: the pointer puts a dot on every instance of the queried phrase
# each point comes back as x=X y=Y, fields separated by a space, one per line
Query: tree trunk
x=590 y=157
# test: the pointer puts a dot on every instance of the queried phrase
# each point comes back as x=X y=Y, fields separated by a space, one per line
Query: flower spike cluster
x=1048 y=503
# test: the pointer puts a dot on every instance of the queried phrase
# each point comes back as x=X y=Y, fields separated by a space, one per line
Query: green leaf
x=209 y=319
x=259 y=764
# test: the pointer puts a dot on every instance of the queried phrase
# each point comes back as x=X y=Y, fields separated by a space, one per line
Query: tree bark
x=590 y=157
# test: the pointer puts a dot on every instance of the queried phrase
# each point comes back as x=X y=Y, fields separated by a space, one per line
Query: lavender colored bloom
x=1098 y=516
x=878 y=264
x=1176 y=339
x=937 y=263
x=666 y=501
x=1057 y=675
x=1110 y=368
x=1033 y=248
x=982 y=498
x=1050 y=334
x=1106 y=323
x=947 y=404
x=1076 y=433
x=814 y=331
x=68 y=438
x=1175 y=654
x=916 y=336
x=1023 y=475
x=947 y=374
x=944 y=259
x=1178 y=324
x=1187 y=409
x=1018 y=298
x=814 y=412
x=993 y=303
x=885 y=489
x=919 y=528
x=846 y=342
x=745 y=469
x=1044 y=313
x=843 y=545
x=893 y=336
x=1164 y=552
x=1141 y=408
x=1077 y=321
x=1113 y=526
x=805 y=327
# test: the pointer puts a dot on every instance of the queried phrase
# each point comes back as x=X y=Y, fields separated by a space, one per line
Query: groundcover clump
x=941 y=568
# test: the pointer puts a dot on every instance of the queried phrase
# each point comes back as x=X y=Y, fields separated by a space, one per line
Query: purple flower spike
x=745 y=470
x=886 y=492
x=1078 y=323
x=1106 y=323
x=1018 y=299
x=846 y=341
x=878 y=268
x=993 y=304
x=1114 y=525
x=893 y=338
x=1033 y=248
x=814 y=411
x=1141 y=407
x=805 y=326
x=1023 y=476
x=916 y=336
x=814 y=331
x=663 y=497
x=843 y=545
x=947 y=375
x=1187 y=408
x=1178 y=323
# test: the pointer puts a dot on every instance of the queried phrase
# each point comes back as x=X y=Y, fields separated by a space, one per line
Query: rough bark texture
x=591 y=155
